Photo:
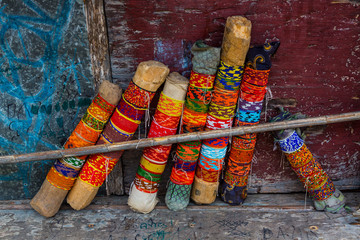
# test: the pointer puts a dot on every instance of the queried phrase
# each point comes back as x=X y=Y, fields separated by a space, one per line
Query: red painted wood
x=317 y=63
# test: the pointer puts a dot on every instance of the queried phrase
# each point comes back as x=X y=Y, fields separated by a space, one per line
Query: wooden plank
x=101 y=69
x=98 y=40
x=271 y=216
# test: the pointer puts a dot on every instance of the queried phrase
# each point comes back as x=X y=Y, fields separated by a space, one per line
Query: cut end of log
x=150 y=75
x=204 y=192
x=81 y=195
x=110 y=92
x=48 y=200
x=240 y=26
x=176 y=86
x=236 y=40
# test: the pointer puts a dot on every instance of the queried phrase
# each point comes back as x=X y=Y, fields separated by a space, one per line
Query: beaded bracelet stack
x=64 y=171
x=205 y=61
x=121 y=127
x=253 y=88
x=153 y=161
x=220 y=116
x=233 y=189
x=309 y=171
x=187 y=153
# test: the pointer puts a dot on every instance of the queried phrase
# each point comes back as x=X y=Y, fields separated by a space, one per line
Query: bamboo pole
x=148 y=142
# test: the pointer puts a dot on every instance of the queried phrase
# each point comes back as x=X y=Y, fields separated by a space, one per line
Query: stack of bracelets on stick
x=316 y=181
x=233 y=188
x=121 y=127
x=152 y=164
x=205 y=61
x=222 y=108
x=62 y=174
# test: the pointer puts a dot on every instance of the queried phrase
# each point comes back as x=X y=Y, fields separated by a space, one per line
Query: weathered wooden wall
x=317 y=66
x=98 y=40
x=46 y=81
x=45 y=84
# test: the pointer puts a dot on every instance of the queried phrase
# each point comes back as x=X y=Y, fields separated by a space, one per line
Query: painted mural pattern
x=45 y=84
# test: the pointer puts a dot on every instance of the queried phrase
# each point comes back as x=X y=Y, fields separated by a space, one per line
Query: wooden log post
x=143 y=193
x=235 y=45
x=121 y=127
x=62 y=175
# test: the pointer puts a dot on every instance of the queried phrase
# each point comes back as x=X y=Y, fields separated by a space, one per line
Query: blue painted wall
x=45 y=84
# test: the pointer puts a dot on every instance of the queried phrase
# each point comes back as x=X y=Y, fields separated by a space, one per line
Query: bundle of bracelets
x=152 y=164
x=316 y=181
x=62 y=174
x=233 y=188
x=205 y=61
x=121 y=127
x=222 y=108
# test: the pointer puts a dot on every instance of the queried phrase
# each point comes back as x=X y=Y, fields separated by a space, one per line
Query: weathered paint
x=45 y=87
x=265 y=217
x=316 y=66
x=98 y=41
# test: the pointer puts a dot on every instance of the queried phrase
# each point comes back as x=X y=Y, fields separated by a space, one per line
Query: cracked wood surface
x=263 y=216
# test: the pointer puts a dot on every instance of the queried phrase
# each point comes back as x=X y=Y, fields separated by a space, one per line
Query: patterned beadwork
x=291 y=144
x=153 y=161
x=121 y=127
x=63 y=174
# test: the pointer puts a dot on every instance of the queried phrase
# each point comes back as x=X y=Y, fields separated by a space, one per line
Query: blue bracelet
x=248 y=116
x=292 y=143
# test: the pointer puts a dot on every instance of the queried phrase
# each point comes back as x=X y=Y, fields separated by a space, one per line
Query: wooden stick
x=147 y=142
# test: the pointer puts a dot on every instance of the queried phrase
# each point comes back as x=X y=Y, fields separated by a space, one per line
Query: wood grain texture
x=98 y=40
x=317 y=65
x=101 y=70
x=264 y=216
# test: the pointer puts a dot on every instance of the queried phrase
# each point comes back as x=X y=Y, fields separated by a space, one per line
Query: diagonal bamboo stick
x=148 y=142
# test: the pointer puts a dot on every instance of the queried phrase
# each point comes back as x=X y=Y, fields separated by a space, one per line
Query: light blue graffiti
x=50 y=29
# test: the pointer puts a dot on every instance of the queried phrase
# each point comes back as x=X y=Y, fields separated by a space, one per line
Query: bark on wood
x=148 y=142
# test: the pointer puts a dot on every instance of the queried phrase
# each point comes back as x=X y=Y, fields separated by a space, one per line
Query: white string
x=155 y=122
x=154 y=161
x=131 y=186
x=210 y=98
x=268 y=97
x=137 y=145
x=181 y=169
x=173 y=156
